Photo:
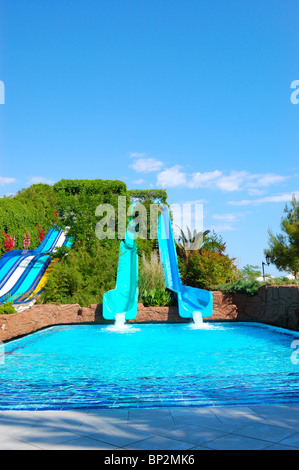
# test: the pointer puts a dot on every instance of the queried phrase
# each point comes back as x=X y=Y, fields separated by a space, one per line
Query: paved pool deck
x=271 y=427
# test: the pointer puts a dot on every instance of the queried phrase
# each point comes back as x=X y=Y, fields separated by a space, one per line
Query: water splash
x=198 y=323
x=120 y=325
x=197 y=319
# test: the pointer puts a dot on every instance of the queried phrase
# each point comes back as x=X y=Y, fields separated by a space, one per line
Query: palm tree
x=188 y=242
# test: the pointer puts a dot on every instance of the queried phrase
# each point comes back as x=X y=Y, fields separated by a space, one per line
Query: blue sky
x=189 y=95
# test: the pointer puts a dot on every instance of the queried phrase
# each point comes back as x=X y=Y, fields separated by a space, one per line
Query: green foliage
x=249 y=287
x=78 y=200
x=250 y=272
x=154 y=195
x=284 y=247
x=214 y=242
x=151 y=275
x=146 y=212
x=157 y=298
x=188 y=242
x=31 y=208
x=84 y=275
x=281 y=281
x=207 y=266
x=7 y=309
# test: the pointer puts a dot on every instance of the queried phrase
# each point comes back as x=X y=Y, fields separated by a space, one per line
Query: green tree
x=208 y=265
x=284 y=247
x=188 y=242
x=250 y=272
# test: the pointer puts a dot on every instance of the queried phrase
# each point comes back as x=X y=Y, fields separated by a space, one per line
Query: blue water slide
x=20 y=270
x=124 y=298
x=10 y=261
x=44 y=246
x=22 y=292
x=190 y=299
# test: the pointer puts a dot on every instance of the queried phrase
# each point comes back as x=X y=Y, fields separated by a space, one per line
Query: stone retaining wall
x=278 y=306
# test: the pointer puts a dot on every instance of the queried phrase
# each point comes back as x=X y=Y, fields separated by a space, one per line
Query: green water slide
x=124 y=298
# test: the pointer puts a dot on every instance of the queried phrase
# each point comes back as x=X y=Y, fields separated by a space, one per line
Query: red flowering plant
x=9 y=243
x=27 y=241
x=41 y=234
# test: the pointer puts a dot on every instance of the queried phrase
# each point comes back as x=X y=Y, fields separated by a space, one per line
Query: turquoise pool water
x=149 y=366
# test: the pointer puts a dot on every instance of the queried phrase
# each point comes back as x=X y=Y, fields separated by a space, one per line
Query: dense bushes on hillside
x=90 y=267
x=32 y=209
x=208 y=265
x=84 y=275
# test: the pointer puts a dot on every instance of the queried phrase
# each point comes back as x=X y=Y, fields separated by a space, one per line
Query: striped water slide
x=20 y=269
x=11 y=260
x=41 y=279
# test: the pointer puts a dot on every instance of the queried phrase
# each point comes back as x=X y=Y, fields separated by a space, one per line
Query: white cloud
x=201 y=180
x=146 y=165
x=4 y=180
x=278 y=198
x=234 y=181
x=136 y=154
x=172 y=177
x=225 y=227
x=227 y=221
x=196 y=201
x=40 y=179
x=227 y=217
x=256 y=192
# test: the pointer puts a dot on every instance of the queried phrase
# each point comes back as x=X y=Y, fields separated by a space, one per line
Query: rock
x=274 y=305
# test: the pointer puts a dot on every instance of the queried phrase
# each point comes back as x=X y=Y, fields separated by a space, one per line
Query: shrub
x=7 y=309
x=29 y=209
x=151 y=275
x=281 y=281
x=206 y=268
x=157 y=298
x=250 y=272
x=84 y=275
x=249 y=287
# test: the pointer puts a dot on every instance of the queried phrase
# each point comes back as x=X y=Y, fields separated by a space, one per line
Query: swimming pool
x=162 y=365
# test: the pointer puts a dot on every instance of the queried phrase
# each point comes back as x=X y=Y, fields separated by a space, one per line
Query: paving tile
x=193 y=434
x=45 y=436
x=118 y=413
x=237 y=416
x=285 y=418
x=160 y=443
x=155 y=428
x=150 y=417
x=270 y=409
x=98 y=422
x=258 y=427
x=13 y=444
x=202 y=417
x=68 y=420
x=292 y=441
x=235 y=442
x=265 y=432
x=81 y=443
x=119 y=436
x=14 y=423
